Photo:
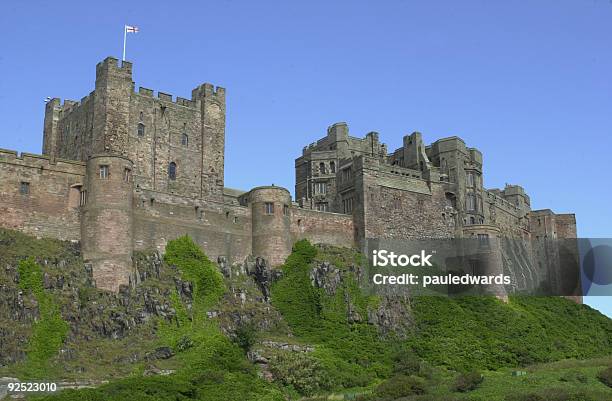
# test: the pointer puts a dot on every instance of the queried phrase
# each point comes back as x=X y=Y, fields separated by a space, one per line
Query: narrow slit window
x=141 y=129
x=24 y=188
x=172 y=171
x=104 y=172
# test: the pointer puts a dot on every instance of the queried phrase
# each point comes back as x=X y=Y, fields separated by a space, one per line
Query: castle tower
x=106 y=220
x=270 y=211
x=53 y=109
x=212 y=103
x=111 y=112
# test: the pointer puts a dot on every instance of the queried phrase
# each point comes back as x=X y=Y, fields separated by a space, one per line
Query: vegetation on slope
x=211 y=366
x=457 y=349
x=463 y=334
x=49 y=332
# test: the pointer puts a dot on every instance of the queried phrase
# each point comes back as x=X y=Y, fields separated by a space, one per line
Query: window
x=286 y=210
x=235 y=220
x=472 y=220
x=320 y=188
x=104 y=172
x=469 y=179
x=141 y=116
x=172 y=171
x=347 y=174
x=141 y=129
x=332 y=167
x=24 y=188
x=471 y=202
x=483 y=239
x=83 y=200
x=322 y=168
x=185 y=139
x=127 y=175
x=397 y=203
x=269 y=208
x=347 y=205
x=323 y=207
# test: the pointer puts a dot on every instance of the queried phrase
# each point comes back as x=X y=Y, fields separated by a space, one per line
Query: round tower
x=271 y=215
x=106 y=221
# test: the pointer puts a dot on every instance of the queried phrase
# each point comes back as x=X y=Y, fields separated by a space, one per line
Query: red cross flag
x=126 y=29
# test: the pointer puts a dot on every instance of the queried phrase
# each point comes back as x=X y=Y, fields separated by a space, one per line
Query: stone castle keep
x=125 y=170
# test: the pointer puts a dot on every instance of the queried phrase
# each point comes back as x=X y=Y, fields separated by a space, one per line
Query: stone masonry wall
x=51 y=208
x=322 y=228
x=165 y=122
x=220 y=229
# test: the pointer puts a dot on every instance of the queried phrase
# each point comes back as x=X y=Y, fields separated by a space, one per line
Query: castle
x=125 y=170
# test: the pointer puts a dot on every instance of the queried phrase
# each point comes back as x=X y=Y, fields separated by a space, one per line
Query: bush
x=468 y=381
x=573 y=376
x=605 y=376
x=406 y=363
x=299 y=371
x=245 y=336
x=400 y=386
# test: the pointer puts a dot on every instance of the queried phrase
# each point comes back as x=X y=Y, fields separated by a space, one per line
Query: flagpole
x=124 y=39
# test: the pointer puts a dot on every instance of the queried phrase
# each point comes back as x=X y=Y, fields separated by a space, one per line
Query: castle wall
x=164 y=123
x=220 y=229
x=75 y=139
x=322 y=228
x=51 y=208
x=397 y=206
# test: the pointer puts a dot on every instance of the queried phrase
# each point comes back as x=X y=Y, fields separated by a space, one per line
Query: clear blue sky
x=529 y=83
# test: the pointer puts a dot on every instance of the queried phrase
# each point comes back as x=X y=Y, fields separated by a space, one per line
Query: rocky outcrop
x=390 y=313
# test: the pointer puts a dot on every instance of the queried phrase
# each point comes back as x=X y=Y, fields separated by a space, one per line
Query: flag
x=133 y=29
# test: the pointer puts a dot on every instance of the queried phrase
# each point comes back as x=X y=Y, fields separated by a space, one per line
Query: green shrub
x=300 y=372
x=208 y=285
x=406 y=363
x=574 y=376
x=245 y=336
x=400 y=386
x=468 y=381
x=605 y=376
x=49 y=332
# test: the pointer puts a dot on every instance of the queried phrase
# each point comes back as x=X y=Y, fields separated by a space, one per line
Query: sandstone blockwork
x=124 y=169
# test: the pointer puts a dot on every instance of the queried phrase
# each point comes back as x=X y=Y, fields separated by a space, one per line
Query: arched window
x=172 y=171
x=322 y=168
x=332 y=167
x=141 y=129
x=185 y=139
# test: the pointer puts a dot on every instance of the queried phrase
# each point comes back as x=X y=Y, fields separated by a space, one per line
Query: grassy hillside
x=329 y=338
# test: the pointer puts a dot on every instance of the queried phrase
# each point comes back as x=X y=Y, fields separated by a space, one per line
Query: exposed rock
x=159 y=353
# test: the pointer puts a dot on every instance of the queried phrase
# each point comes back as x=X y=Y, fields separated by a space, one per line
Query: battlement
x=41 y=161
x=166 y=97
x=208 y=90
x=113 y=64
x=67 y=105
x=502 y=203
